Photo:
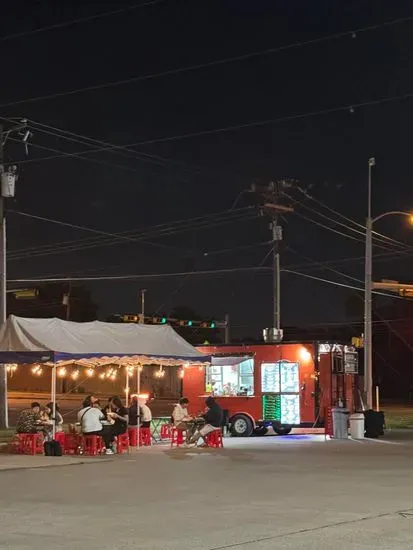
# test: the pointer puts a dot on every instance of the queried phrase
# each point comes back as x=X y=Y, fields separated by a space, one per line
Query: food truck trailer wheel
x=241 y=426
x=281 y=429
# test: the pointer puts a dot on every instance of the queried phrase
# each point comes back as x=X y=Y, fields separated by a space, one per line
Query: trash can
x=374 y=423
x=357 y=426
x=340 y=423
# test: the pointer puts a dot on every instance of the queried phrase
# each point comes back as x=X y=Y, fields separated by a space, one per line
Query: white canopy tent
x=55 y=342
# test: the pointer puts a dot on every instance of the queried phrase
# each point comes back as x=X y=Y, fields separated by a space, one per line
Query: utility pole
x=142 y=316
x=227 y=333
x=368 y=287
x=8 y=179
x=271 y=194
x=4 y=410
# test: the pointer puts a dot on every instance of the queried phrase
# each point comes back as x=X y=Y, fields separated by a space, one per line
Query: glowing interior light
x=102 y=376
x=61 y=372
x=305 y=355
x=75 y=374
x=90 y=373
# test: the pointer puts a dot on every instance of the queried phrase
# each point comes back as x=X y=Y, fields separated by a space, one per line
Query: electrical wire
x=217 y=62
x=78 y=20
x=141 y=276
x=328 y=281
x=376 y=240
x=106 y=146
x=341 y=215
x=340 y=273
x=163 y=229
x=116 y=238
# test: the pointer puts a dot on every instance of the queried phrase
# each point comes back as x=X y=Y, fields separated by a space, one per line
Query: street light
x=368 y=288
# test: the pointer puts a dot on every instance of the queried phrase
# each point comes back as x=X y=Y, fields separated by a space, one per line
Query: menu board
x=270 y=377
x=290 y=409
x=271 y=406
x=289 y=374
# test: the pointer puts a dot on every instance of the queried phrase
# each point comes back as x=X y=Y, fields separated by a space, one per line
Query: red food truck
x=285 y=385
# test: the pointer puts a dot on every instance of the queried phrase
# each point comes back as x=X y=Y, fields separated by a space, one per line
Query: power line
x=363 y=233
x=328 y=281
x=78 y=20
x=105 y=146
x=162 y=228
x=223 y=129
x=217 y=62
x=337 y=213
x=142 y=276
x=117 y=237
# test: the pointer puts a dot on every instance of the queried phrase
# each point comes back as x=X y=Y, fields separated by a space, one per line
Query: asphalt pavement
x=255 y=494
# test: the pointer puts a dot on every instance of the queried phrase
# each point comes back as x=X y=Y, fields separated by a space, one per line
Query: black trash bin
x=374 y=423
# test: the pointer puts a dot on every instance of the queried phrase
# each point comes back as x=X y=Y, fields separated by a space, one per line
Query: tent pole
x=127 y=387
x=54 y=382
x=138 y=391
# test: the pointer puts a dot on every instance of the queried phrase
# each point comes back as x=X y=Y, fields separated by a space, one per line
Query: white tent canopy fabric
x=63 y=340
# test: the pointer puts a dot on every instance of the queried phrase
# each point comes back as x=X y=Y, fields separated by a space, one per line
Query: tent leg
x=138 y=391
x=54 y=382
x=127 y=387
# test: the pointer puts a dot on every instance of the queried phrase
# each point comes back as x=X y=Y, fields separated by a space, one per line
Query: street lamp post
x=368 y=291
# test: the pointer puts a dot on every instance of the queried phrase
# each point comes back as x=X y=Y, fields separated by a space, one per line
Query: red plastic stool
x=133 y=437
x=122 y=443
x=177 y=437
x=30 y=444
x=214 y=439
x=166 y=431
x=92 y=445
x=73 y=443
x=145 y=437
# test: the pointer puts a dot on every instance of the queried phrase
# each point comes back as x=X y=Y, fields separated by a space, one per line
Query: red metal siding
x=194 y=379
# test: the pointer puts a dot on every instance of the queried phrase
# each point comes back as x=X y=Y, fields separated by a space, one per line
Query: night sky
x=170 y=177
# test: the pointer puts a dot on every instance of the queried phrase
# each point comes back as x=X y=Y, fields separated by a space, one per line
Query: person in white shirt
x=145 y=414
x=90 y=419
x=181 y=418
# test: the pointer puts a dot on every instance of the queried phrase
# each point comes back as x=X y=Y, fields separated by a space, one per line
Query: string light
x=35 y=369
x=90 y=373
x=61 y=373
x=39 y=372
x=75 y=374
x=11 y=367
x=159 y=373
x=102 y=376
x=181 y=373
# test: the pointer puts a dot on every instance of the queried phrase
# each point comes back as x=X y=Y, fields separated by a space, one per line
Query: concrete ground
x=256 y=494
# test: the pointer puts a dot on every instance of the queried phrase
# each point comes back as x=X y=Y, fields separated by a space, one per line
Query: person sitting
x=213 y=421
x=29 y=421
x=145 y=414
x=180 y=414
x=118 y=417
x=90 y=420
x=134 y=413
x=57 y=419
x=181 y=419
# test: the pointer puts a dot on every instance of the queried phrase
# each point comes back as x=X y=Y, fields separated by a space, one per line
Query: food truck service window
x=230 y=380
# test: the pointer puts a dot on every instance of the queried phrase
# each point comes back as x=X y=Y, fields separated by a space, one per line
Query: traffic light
x=163 y=321
x=213 y=324
x=189 y=323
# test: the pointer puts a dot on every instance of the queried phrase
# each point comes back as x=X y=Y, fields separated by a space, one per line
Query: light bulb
x=90 y=373
x=61 y=372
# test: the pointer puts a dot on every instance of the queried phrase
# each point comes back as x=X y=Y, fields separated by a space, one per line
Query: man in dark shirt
x=29 y=420
x=213 y=420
